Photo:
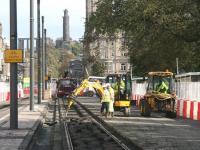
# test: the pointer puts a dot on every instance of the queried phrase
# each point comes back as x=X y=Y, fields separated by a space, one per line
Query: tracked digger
x=122 y=100
x=121 y=103
x=160 y=95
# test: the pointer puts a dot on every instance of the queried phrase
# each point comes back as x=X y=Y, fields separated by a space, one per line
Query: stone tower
x=66 y=36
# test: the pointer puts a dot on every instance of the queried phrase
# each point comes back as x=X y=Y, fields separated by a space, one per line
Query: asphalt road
x=153 y=133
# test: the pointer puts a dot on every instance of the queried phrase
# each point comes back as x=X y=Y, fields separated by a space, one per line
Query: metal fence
x=188 y=90
x=139 y=88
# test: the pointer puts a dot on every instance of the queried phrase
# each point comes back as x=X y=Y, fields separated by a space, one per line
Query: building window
x=123 y=53
x=113 y=53
x=123 y=67
x=109 y=66
x=106 y=65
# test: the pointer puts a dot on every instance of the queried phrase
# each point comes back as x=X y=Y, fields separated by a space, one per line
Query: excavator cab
x=160 y=95
x=123 y=87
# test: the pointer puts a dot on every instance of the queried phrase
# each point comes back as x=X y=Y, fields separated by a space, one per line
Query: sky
x=52 y=10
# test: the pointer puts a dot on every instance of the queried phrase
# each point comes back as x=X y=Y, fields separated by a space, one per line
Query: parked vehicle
x=65 y=86
x=95 y=78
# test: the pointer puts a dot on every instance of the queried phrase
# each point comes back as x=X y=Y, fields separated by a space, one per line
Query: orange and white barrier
x=5 y=93
x=188 y=109
x=2 y=97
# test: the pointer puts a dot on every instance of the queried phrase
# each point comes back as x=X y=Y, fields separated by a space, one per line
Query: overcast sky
x=52 y=10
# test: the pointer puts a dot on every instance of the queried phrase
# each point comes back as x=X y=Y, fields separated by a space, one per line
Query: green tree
x=77 y=48
x=58 y=60
x=155 y=32
x=98 y=69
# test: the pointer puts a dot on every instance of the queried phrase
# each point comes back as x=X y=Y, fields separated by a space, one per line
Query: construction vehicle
x=122 y=100
x=84 y=84
x=156 y=99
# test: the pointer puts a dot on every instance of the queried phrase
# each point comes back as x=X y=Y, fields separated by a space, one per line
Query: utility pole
x=13 y=67
x=177 y=69
x=31 y=55
x=39 y=53
x=45 y=55
x=115 y=57
x=42 y=68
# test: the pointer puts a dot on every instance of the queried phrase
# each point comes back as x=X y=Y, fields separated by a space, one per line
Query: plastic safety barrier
x=188 y=109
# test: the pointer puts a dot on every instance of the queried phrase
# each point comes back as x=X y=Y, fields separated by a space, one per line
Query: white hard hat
x=104 y=85
x=108 y=85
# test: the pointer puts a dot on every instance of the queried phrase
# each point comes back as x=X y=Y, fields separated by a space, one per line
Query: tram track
x=76 y=129
x=96 y=129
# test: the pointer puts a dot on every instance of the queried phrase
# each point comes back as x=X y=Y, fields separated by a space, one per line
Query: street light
x=31 y=55
x=39 y=53
x=13 y=67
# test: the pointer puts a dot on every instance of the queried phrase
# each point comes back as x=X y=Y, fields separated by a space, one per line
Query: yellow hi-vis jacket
x=112 y=93
x=121 y=85
x=105 y=96
x=163 y=88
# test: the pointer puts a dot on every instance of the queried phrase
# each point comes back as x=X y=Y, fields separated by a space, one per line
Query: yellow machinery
x=156 y=99
x=122 y=99
x=84 y=84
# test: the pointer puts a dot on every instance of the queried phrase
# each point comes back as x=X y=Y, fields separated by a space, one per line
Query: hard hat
x=108 y=85
x=104 y=86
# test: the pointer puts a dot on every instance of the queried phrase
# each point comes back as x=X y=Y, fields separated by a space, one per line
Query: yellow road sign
x=13 y=56
x=46 y=78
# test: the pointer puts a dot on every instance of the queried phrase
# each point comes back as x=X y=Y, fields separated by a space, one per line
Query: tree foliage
x=156 y=32
x=76 y=48
x=58 y=61
x=98 y=69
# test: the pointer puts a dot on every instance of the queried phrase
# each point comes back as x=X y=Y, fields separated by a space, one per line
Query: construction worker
x=105 y=100
x=119 y=86
x=112 y=97
x=162 y=87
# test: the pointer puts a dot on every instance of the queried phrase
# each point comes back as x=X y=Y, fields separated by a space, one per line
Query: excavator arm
x=84 y=84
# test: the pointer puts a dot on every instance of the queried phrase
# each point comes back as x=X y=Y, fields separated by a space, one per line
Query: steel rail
x=67 y=134
x=68 y=137
x=101 y=126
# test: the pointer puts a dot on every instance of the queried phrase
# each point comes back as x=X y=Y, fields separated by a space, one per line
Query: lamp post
x=43 y=67
x=45 y=56
x=13 y=67
x=31 y=55
x=177 y=68
x=39 y=53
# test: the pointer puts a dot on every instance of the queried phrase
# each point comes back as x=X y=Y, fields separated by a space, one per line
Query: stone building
x=112 y=54
x=4 y=67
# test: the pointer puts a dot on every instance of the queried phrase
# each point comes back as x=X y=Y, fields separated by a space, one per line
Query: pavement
x=28 y=123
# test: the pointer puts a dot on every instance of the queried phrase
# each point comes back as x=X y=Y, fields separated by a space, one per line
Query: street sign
x=13 y=56
x=46 y=78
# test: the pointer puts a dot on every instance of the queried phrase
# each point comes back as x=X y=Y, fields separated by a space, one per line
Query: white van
x=94 y=78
